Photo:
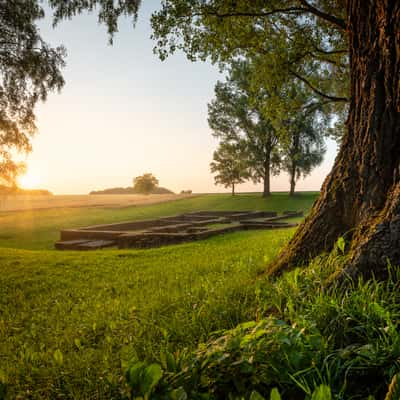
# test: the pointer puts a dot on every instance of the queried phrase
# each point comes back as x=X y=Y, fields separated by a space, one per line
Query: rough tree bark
x=360 y=198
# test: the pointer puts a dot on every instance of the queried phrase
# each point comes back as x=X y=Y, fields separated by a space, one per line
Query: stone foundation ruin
x=170 y=230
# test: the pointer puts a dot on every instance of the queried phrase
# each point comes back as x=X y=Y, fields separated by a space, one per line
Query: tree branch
x=307 y=8
x=330 y=52
x=313 y=88
x=319 y=58
x=339 y=22
x=289 y=10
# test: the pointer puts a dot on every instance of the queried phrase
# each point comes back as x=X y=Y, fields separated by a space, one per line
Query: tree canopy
x=291 y=41
x=236 y=115
x=145 y=183
x=230 y=164
x=303 y=148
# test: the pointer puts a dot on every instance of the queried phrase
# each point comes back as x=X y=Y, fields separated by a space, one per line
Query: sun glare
x=30 y=180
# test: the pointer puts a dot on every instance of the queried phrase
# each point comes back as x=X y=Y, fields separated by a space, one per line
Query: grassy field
x=39 y=229
x=70 y=321
x=23 y=202
x=73 y=323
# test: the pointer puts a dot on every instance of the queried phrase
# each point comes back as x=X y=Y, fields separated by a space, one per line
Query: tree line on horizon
x=142 y=184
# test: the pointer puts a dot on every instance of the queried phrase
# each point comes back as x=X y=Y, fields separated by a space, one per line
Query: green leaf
x=168 y=361
x=134 y=375
x=322 y=392
x=256 y=396
x=151 y=375
x=275 y=394
x=58 y=357
x=178 y=394
x=78 y=344
x=341 y=244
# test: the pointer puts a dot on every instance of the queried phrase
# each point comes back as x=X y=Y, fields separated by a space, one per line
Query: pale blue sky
x=123 y=112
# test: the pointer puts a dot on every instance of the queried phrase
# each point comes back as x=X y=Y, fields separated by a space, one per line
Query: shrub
x=345 y=338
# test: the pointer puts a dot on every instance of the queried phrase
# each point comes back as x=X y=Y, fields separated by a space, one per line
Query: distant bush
x=161 y=190
x=131 y=190
x=144 y=184
x=186 y=191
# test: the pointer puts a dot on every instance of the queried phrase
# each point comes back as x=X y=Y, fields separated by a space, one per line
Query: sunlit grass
x=98 y=308
x=70 y=320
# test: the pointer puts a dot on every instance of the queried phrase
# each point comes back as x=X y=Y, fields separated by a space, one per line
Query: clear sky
x=123 y=112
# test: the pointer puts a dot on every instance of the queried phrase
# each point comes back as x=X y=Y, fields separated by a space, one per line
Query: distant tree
x=236 y=114
x=303 y=150
x=145 y=183
x=230 y=164
x=30 y=68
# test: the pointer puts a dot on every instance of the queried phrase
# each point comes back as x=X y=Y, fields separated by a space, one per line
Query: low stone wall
x=170 y=230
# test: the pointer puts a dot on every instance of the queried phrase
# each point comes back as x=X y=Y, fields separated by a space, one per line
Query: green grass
x=345 y=337
x=98 y=308
x=39 y=229
x=69 y=321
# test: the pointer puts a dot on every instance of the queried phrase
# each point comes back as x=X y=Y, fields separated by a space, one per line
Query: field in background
x=70 y=321
x=27 y=202
x=39 y=229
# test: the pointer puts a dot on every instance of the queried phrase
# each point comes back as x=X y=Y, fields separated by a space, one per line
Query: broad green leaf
x=171 y=363
x=341 y=244
x=151 y=375
x=134 y=375
x=322 y=392
x=256 y=396
x=275 y=394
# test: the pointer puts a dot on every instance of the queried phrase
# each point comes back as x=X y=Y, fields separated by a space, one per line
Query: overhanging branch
x=289 y=10
x=339 y=22
x=314 y=89
x=307 y=8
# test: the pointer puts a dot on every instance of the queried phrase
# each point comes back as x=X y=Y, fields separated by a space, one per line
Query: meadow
x=71 y=321
x=24 y=202
x=194 y=321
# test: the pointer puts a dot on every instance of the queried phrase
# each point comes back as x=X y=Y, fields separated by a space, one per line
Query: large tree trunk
x=360 y=198
x=267 y=187
x=233 y=189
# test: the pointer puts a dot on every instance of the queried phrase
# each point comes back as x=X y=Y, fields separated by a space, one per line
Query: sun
x=30 y=180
